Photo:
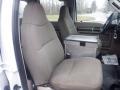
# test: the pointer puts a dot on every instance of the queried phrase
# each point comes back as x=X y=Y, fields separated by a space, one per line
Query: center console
x=82 y=46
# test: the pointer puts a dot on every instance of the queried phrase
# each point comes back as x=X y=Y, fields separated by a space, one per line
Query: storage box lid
x=84 y=38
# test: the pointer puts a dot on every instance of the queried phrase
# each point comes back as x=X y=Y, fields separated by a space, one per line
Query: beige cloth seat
x=66 y=23
x=78 y=74
x=44 y=56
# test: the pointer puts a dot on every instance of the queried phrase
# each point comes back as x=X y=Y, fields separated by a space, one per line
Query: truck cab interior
x=70 y=44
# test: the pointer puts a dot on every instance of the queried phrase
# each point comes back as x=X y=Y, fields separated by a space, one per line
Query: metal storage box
x=81 y=46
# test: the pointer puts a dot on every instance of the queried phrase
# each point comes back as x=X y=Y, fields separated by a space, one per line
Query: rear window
x=52 y=8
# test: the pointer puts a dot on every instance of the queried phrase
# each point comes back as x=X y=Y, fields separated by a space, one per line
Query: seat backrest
x=66 y=23
x=41 y=47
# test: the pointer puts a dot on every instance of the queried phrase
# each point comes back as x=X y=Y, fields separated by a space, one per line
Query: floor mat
x=110 y=59
x=110 y=76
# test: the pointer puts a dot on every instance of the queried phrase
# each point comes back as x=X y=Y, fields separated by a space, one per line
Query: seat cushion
x=84 y=73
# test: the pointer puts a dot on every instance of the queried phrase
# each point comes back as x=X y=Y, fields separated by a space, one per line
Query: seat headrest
x=64 y=12
x=34 y=14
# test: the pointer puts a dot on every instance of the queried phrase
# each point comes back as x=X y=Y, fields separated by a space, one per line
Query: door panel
x=4 y=85
x=88 y=27
x=3 y=79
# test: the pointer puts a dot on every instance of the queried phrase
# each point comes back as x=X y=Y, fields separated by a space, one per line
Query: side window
x=22 y=5
x=21 y=8
x=52 y=8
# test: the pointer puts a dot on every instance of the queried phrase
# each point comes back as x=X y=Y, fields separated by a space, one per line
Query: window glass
x=52 y=8
x=93 y=10
x=21 y=8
